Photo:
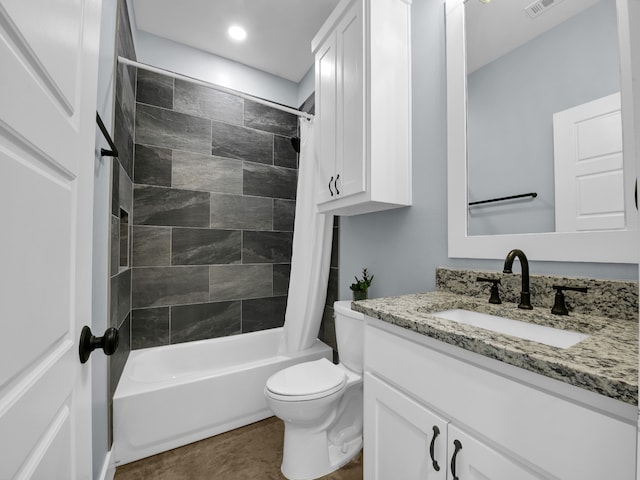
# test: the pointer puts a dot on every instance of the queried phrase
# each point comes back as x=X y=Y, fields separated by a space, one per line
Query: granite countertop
x=606 y=362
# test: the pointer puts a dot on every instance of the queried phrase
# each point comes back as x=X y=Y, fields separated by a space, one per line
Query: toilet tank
x=349 y=335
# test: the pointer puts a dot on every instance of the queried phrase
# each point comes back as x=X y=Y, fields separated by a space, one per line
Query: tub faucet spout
x=525 y=295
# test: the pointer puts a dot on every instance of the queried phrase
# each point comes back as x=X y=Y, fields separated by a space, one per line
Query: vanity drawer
x=540 y=428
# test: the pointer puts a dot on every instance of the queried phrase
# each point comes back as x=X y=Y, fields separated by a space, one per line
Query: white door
x=403 y=438
x=470 y=459
x=589 y=180
x=48 y=79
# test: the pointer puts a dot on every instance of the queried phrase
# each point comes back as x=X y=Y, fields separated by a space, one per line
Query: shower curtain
x=312 y=235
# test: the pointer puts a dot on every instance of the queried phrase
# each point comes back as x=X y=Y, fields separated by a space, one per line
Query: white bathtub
x=173 y=395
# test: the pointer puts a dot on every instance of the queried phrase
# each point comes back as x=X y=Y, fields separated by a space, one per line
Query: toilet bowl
x=321 y=404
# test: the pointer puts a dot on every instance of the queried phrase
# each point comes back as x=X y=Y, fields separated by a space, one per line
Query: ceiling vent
x=538 y=7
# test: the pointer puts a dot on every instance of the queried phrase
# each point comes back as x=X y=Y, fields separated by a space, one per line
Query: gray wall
x=511 y=102
x=403 y=247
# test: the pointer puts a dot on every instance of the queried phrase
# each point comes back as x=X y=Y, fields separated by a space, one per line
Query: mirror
x=522 y=91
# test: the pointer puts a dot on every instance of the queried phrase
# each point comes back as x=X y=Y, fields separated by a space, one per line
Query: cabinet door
x=469 y=459
x=326 y=97
x=350 y=156
x=403 y=439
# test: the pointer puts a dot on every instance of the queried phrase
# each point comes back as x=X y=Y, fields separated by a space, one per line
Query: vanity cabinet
x=410 y=441
x=363 y=110
x=506 y=425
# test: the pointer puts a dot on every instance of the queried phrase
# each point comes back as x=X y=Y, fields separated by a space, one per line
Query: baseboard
x=108 y=467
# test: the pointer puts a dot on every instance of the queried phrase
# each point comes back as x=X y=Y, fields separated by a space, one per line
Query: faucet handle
x=495 y=293
x=559 y=306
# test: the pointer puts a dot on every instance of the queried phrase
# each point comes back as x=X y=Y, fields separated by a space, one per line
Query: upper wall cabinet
x=363 y=107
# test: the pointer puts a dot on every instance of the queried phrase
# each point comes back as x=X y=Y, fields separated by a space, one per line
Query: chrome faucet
x=525 y=296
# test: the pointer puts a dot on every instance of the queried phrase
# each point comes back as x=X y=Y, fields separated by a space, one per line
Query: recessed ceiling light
x=237 y=33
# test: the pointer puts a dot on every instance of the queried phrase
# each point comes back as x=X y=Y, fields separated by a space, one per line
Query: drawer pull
x=335 y=184
x=436 y=432
x=330 y=191
x=458 y=447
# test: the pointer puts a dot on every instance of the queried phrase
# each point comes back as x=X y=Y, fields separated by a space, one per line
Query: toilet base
x=309 y=456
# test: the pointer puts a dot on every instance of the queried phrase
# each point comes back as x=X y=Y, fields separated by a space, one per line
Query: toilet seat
x=306 y=381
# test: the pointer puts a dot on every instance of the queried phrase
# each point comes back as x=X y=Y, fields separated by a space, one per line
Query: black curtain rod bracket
x=501 y=199
x=103 y=151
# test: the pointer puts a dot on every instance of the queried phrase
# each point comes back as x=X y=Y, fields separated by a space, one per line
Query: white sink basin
x=528 y=331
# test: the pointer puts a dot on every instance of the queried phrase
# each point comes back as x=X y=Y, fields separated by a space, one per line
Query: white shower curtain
x=312 y=235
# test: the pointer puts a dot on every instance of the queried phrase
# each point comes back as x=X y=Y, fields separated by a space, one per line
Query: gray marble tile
x=149 y=327
x=194 y=171
x=154 y=89
x=125 y=41
x=233 y=282
x=309 y=105
x=263 y=313
x=170 y=206
x=283 y=153
x=281 y=274
x=125 y=238
x=335 y=248
x=270 y=119
x=332 y=287
x=268 y=181
x=162 y=286
x=165 y=128
x=266 y=247
x=125 y=193
x=125 y=93
x=234 y=141
x=201 y=246
x=152 y=165
x=327 y=331
x=208 y=103
x=114 y=253
x=122 y=137
x=115 y=187
x=119 y=358
x=113 y=301
x=284 y=214
x=124 y=294
x=206 y=320
x=151 y=246
x=239 y=212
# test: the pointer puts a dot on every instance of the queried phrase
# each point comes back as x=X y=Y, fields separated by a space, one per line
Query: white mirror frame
x=598 y=246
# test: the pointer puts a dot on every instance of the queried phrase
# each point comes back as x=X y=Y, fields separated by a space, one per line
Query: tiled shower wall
x=214 y=200
x=121 y=202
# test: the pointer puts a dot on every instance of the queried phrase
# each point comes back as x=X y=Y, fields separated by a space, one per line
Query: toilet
x=321 y=404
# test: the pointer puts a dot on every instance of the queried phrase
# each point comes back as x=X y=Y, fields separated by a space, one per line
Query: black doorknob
x=88 y=342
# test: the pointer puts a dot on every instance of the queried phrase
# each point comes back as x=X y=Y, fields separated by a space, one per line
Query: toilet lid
x=309 y=378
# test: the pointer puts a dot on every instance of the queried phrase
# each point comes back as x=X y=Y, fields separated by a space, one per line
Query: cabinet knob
x=330 y=191
x=457 y=447
x=335 y=184
x=436 y=432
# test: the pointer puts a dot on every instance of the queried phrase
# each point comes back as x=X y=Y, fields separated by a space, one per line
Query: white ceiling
x=279 y=32
x=494 y=29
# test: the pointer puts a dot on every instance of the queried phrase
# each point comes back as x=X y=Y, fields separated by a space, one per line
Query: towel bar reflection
x=103 y=151
x=501 y=199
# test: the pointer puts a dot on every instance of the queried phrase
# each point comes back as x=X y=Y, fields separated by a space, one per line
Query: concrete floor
x=247 y=453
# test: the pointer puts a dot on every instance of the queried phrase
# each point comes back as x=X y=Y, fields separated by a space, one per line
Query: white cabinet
x=404 y=439
x=509 y=423
x=363 y=110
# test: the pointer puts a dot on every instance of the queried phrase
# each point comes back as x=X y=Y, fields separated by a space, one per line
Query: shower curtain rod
x=186 y=78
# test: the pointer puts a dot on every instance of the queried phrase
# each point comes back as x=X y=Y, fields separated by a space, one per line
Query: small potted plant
x=361 y=286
